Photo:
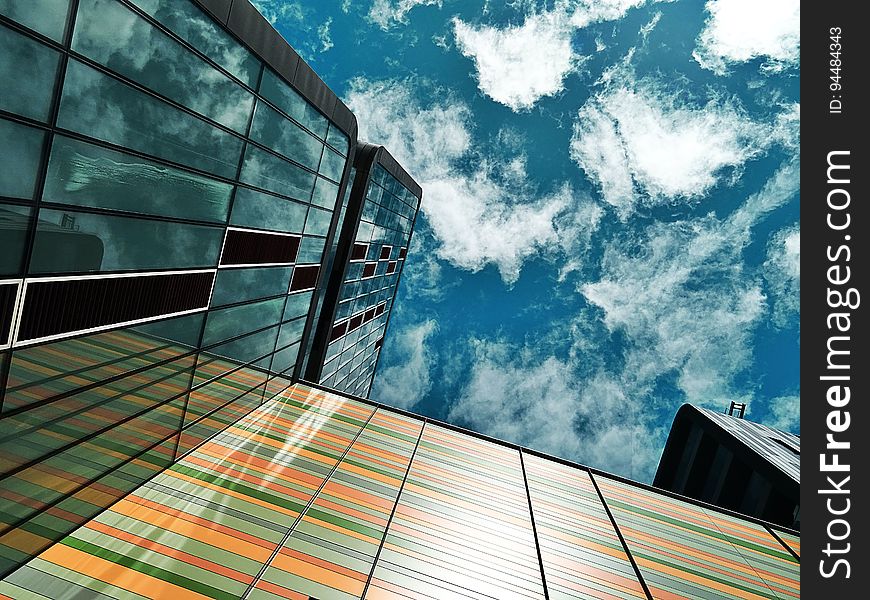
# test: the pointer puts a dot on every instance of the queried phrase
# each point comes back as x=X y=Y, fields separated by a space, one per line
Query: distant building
x=379 y=215
x=733 y=463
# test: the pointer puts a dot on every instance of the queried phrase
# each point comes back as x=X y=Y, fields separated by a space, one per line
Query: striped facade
x=316 y=495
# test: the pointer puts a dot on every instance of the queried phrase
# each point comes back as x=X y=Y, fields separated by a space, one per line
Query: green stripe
x=143 y=567
x=235 y=486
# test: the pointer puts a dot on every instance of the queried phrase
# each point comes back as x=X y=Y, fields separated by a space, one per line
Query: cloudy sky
x=610 y=216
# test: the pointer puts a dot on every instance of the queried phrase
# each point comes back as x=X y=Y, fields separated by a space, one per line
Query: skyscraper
x=380 y=215
x=733 y=463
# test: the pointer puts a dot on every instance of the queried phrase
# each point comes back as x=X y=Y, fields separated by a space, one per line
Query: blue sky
x=610 y=223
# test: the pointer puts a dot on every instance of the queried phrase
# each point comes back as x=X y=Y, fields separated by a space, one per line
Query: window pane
x=264 y=211
x=230 y=322
x=200 y=31
x=72 y=241
x=22 y=147
x=48 y=17
x=143 y=53
x=27 y=70
x=291 y=332
x=317 y=222
x=237 y=285
x=269 y=172
x=332 y=165
x=311 y=250
x=284 y=97
x=13 y=233
x=130 y=118
x=297 y=305
x=337 y=139
x=325 y=194
x=87 y=175
x=271 y=129
x=246 y=349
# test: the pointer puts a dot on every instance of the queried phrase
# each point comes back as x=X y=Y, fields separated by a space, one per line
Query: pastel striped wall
x=683 y=553
x=581 y=553
x=314 y=495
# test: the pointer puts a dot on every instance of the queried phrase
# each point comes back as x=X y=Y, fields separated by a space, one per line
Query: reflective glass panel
x=297 y=305
x=22 y=146
x=141 y=52
x=13 y=233
x=84 y=174
x=272 y=129
x=332 y=165
x=27 y=70
x=128 y=117
x=200 y=31
x=256 y=209
x=237 y=285
x=72 y=241
x=284 y=97
x=230 y=322
x=48 y=17
x=269 y=172
x=325 y=193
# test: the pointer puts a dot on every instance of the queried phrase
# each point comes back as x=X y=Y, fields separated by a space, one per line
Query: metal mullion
x=620 y=536
x=534 y=527
x=782 y=542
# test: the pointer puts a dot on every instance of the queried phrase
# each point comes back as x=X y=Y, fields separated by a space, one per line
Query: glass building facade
x=381 y=208
x=172 y=172
x=318 y=495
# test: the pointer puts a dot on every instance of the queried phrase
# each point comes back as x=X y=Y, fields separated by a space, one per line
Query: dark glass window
x=128 y=117
x=87 y=175
x=304 y=277
x=22 y=147
x=8 y=294
x=272 y=129
x=141 y=52
x=269 y=172
x=385 y=252
x=391 y=267
x=60 y=307
x=48 y=17
x=370 y=314
x=27 y=70
x=264 y=211
x=199 y=30
x=338 y=331
x=369 y=270
x=403 y=252
x=69 y=241
x=237 y=285
x=359 y=251
x=355 y=322
x=255 y=247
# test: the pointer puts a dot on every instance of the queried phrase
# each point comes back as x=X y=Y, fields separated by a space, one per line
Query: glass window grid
x=26 y=121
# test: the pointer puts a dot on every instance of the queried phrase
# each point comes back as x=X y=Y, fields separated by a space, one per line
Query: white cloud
x=324 y=35
x=785 y=413
x=517 y=65
x=482 y=208
x=782 y=270
x=641 y=145
x=388 y=13
x=742 y=30
x=683 y=300
x=535 y=400
x=404 y=384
